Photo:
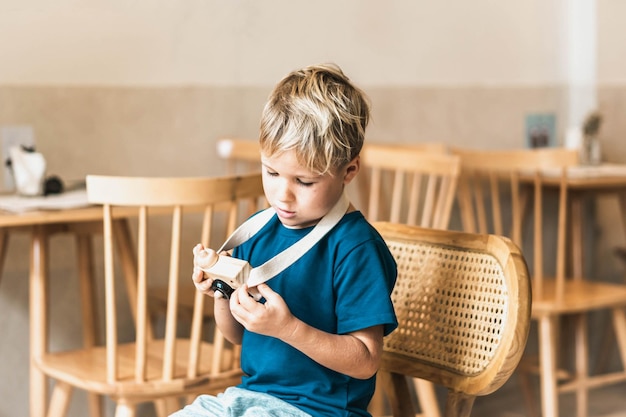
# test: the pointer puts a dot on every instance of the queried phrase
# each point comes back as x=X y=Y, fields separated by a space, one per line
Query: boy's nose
x=283 y=191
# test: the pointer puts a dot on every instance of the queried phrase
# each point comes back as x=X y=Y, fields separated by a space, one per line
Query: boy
x=312 y=346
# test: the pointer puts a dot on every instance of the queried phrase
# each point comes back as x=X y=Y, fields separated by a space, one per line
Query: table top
x=70 y=207
x=37 y=217
x=606 y=176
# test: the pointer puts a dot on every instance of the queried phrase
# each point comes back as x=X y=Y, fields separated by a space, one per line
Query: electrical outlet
x=14 y=136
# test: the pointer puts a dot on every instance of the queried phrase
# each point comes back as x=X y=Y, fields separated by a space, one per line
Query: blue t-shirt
x=342 y=284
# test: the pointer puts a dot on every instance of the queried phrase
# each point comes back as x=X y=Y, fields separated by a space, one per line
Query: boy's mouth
x=284 y=213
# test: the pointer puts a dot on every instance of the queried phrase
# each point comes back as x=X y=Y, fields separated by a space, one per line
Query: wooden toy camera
x=227 y=273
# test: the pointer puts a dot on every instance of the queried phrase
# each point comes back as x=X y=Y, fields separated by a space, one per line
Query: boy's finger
x=197 y=275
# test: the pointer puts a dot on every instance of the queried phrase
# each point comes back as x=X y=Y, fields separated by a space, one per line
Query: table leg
x=576 y=222
x=4 y=241
x=88 y=306
x=38 y=305
x=582 y=363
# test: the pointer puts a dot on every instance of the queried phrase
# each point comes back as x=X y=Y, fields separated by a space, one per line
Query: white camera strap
x=278 y=263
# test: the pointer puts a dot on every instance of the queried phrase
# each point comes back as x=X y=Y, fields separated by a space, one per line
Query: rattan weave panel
x=441 y=333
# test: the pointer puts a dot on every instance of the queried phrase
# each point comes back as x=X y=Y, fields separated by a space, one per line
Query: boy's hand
x=203 y=258
x=272 y=318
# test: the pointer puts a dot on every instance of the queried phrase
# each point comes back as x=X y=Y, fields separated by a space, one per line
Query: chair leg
x=377 y=404
x=161 y=408
x=60 y=400
x=547 y=366
x=396 y=388
x=608 y=339
x=124 y=409
x=172 y=404
x=459 y=404
x=427 y=398
x=619 y=326
x=527 y=393
x=166 y=406
x=582 y=364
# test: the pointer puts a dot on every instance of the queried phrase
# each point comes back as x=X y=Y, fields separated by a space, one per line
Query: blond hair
x=318 y=113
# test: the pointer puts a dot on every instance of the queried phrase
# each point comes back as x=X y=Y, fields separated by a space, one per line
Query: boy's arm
x=356 y=354
x=230 y=328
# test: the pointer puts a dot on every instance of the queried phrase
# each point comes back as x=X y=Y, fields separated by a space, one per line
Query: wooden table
x=84 y=222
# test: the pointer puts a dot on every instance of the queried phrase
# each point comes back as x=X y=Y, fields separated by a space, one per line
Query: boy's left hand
x=272 y=318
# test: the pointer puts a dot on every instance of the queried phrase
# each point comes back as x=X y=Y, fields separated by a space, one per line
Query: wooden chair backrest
x=463 y=305
x=175 y=357
x=435 y=147
x=241 y=155
x=496 y=188
x=422 y=184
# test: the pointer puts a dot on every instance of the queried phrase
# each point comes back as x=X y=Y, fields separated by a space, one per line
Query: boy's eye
x=299 y=181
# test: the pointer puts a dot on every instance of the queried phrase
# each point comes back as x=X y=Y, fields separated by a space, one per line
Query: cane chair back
x=463 y=307
x=240 y=155
x=525 y=192
x=422 y=184
x=156 y=361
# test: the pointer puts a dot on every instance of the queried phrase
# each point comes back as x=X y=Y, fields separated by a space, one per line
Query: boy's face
x=300 y=197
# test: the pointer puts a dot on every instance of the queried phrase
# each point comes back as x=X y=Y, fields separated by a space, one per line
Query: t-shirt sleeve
x=365 y=280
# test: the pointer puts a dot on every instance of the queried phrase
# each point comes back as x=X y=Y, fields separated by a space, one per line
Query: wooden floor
x=508 y=402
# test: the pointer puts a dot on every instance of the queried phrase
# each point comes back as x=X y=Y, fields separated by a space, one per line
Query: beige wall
x=145 y=87
x=396 y=42
x=611 y=40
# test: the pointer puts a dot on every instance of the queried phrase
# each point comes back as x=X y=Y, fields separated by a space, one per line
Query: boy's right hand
x=203 y=258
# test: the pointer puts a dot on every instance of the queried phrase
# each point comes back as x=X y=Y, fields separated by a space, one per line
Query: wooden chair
x=157 y=363
x=495 y=189
x=241 y=155
x=422 y=184
x=434 y=147
x=248 y=205
x=463 y=307
x=422 y=188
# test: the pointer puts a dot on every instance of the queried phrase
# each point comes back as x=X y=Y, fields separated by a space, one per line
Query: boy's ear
x=351 y=170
